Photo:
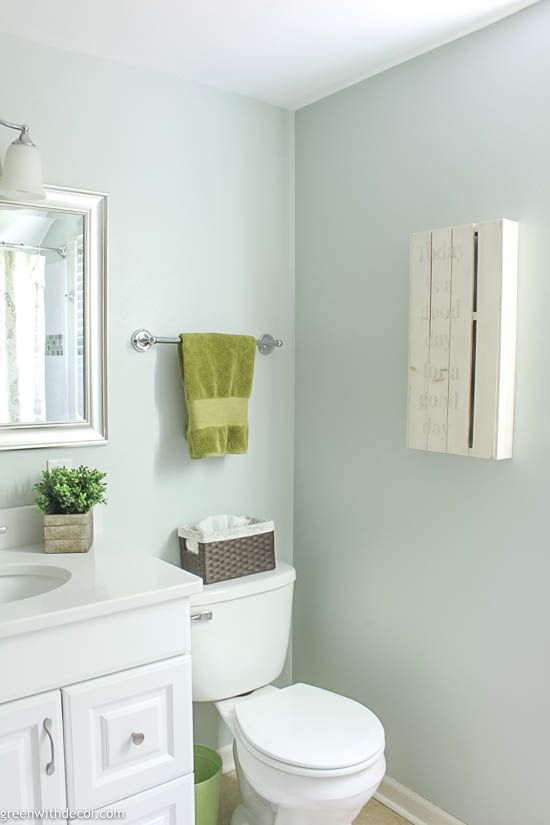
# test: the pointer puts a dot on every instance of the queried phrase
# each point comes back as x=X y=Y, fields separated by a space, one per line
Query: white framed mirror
x=53 y=268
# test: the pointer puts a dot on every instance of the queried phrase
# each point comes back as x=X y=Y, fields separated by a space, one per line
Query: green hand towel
x=217 y=373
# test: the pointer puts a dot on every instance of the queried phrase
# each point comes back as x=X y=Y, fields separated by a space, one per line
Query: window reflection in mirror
x=42 y=312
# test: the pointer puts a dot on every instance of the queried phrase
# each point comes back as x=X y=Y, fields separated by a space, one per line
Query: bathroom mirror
x=52 y=320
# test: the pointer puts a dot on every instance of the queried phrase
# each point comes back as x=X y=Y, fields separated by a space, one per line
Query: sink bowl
x=22 y=581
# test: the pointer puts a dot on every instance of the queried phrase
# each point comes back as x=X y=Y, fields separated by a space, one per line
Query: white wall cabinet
x=32 y=766
x=462 y=339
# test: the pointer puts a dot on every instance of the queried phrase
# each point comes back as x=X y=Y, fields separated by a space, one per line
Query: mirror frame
x=93 y=429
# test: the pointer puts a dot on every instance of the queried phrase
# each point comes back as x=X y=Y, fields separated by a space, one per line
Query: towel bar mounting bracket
x=266 y=343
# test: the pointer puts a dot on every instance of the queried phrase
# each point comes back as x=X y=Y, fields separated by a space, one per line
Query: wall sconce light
x=21 y=177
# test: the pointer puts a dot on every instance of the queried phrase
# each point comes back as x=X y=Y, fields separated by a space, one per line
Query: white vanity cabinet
x=32 y=767
x=128 y=747
x=95 y=689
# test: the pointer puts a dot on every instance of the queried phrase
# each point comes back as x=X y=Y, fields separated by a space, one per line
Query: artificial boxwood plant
x=67 y=492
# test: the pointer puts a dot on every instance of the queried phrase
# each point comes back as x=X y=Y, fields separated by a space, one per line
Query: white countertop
x=102 y=581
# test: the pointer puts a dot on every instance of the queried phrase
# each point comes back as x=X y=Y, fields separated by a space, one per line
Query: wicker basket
x=228 y=558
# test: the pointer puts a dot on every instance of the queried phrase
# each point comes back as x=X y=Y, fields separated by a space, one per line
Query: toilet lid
x=308 y=727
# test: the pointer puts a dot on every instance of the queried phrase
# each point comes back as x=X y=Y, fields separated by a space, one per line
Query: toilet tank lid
x=283 y=575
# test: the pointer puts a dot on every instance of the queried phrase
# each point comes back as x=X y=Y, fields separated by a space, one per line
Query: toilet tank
x=240 y=631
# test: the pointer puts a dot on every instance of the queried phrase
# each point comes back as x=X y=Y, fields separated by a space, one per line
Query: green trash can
x=208 y=772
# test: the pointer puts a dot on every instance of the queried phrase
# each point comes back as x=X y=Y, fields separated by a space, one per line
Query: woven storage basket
x=228 y=558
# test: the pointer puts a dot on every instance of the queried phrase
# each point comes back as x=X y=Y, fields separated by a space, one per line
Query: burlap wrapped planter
x=72 y=533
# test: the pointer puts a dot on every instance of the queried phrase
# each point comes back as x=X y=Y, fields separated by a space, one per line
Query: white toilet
x=304 y=756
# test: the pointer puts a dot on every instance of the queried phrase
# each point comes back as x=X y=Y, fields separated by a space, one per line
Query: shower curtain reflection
x=22 y=338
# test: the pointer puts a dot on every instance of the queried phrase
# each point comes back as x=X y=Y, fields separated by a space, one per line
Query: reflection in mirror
x=41 y=316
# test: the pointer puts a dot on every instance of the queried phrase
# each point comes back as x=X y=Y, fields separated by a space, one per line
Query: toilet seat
x=306 y=730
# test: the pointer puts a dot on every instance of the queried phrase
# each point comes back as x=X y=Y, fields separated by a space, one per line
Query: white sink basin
x=21 y=581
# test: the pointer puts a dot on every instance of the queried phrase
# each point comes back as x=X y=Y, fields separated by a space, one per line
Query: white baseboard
x=392 y=794
x=411 y=806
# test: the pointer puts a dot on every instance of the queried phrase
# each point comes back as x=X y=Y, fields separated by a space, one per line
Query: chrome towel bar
x=142 y=340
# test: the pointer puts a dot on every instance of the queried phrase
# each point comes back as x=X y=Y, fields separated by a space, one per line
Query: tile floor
x=372 y=814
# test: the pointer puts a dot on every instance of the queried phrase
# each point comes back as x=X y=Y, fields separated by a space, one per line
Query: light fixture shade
x=22 y=174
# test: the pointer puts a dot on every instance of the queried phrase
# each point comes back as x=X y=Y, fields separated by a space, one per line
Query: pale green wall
x=200 y=238
x=424 y=580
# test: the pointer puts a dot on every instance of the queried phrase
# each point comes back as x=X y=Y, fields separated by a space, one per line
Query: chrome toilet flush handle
x=138 y=738
x=3 y=529
x=205 y=616
x=47 y=725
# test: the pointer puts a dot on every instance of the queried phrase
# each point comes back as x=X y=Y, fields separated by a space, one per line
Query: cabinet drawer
x=170 y=804
x=127 y=732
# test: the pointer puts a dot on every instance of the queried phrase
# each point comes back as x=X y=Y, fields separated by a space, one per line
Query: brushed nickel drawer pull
x=47 y=725
x=138 y=738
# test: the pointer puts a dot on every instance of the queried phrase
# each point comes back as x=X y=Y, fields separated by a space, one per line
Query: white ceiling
x=287 y=52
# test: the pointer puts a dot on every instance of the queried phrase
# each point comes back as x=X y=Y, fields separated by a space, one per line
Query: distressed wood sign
x=462 y=339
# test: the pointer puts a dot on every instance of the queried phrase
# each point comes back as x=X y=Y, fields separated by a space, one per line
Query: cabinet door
x=128 y=732
x=170 y=804
x=32 y=773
